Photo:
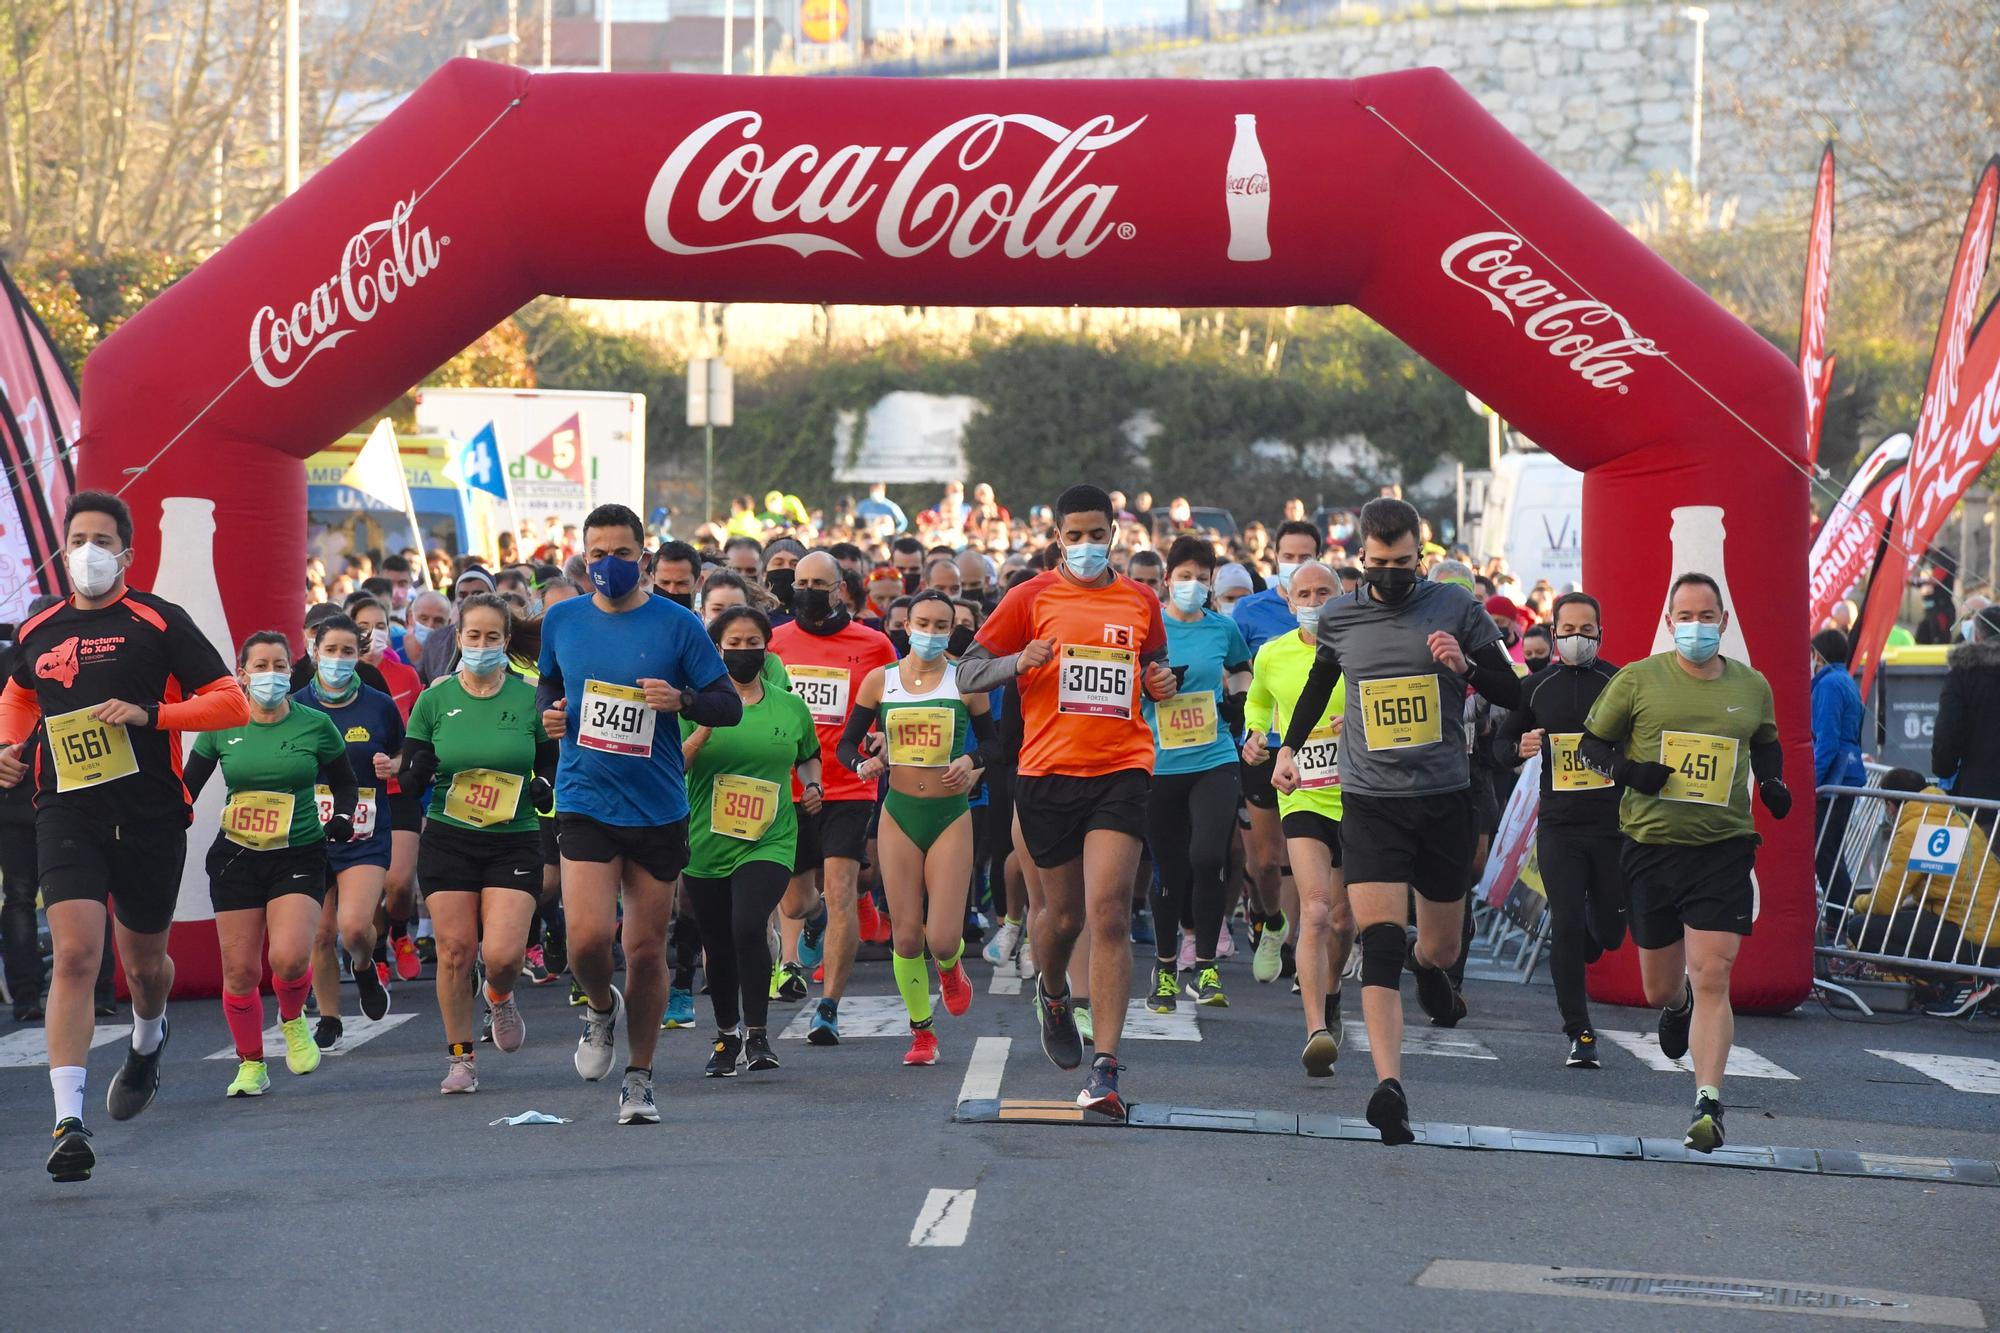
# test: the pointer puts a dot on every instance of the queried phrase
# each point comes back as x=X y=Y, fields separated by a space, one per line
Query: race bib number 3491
x=615 y=719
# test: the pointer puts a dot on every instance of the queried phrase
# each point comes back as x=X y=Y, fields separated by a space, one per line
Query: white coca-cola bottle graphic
x=187 y=578
x=1247 y=192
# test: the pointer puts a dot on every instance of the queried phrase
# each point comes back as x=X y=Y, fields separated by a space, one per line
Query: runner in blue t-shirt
x=1191 y=807
x=618 y=669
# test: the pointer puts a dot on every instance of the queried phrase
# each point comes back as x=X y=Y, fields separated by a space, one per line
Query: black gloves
x=340 y=828
x=1777 y=797
x=1232 y=709
x=542 y=794
x=1643 y=775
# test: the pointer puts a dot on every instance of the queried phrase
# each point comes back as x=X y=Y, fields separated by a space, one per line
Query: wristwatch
x=153 y=716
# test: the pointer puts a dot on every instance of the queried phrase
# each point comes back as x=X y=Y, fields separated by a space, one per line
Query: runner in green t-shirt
x=477 y=739
x=267 y=869
x=1687 y=732
x=742 y=831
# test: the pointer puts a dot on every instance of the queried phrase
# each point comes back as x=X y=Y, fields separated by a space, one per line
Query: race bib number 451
x=616 y=720
x=1096 y=681
x=1704 y=767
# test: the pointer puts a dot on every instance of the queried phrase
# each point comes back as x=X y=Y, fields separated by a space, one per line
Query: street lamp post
x=604 y=35
x=291 y=96
x=1698 y=13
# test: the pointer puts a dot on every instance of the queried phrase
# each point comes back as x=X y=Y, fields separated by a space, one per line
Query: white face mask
x=1577 y=649
x=93 y=569
x=378 y=639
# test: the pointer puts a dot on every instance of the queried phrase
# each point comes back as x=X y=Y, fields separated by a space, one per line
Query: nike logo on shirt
x=1739 y=708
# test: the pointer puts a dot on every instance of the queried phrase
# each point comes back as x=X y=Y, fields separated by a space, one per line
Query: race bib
x=921 y=737
x=1096 y=681
x=482 y=797
x=1400 y=712
x=87 y=752
x=823 y=690
x=1567 y=771
x=364 y=810
x=1704 y=767
x=258 y=820
x=616 y=720
x=1318 y=760
x=742 y=807
x=1186 y=721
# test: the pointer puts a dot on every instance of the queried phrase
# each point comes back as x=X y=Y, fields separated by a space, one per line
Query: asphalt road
x=358 y=1197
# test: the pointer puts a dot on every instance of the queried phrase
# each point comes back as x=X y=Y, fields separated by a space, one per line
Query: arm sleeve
x=20 y=710
x=1259 y=707
x=216 y=706
x=1492 y=674
x=338 y=774
x=419 y=765
x=195 y=773
x=1947 y=732
x=548 y=754
x=548 y=674
x=980 y=670
x=1767 y=760
x=1314 y=698
x=191 y=659
x=716 y=704
x=988 y=737
x=848 y=751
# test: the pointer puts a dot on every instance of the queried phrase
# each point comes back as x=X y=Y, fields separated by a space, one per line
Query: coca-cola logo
x=1597 y=342
x=932 y=196
x=1819 y=268
x=1927 y=456
x=370 y=277
x=1254 y=183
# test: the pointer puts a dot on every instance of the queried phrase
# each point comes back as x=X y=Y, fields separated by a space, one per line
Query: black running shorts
x=242 y=880
x=459 y=860
x=1676 y=889
x=1057 y=811
x=1311 y=824
x=1423 y=841
x=660 y=850
x=137 y=865
x=1257 y=788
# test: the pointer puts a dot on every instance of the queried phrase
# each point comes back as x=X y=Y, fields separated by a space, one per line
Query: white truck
x=1529 y=508
x=607 y=429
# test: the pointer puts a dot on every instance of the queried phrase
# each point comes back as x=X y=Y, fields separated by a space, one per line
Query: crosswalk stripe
x=1004 y=983
x=356 y=1031
x=884 y=1016
x=1967 y=1073
x=1421 y=1041
x=29 y=1048
x=1743 y=1062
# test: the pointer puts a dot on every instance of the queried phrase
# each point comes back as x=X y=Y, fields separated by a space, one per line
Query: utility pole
x=1699 y=14
x=1006 y=22
x=291 y=96
x=757 y=17
x=604 y=36
x=548 y=33
x=728 y=36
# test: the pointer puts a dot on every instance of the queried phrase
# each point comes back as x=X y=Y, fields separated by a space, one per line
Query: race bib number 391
x=616 y=720
x=1096 y=681
x=823 y=690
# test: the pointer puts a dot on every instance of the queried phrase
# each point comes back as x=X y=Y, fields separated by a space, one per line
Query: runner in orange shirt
x=1088 y=641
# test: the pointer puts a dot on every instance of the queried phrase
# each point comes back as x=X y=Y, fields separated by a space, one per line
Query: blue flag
x=479 y=464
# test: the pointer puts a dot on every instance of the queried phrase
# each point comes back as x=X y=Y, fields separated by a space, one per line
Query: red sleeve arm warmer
x=20 y=710
x=216 y=705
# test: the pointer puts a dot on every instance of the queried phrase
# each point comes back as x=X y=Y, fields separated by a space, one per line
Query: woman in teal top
x=925 y=838
x=267 y=869
x=742 y=832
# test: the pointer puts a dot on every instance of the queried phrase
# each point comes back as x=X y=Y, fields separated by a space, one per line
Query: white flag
x=377 y=471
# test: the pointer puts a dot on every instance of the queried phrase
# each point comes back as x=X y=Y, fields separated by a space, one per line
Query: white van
x=1531 y=512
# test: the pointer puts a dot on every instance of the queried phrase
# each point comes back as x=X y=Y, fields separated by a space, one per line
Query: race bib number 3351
x=823 y=690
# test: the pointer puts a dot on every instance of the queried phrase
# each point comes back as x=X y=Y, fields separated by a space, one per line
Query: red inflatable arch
x=1397 y=194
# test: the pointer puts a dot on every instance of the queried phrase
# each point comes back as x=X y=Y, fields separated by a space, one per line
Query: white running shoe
x=1024 y=962
x=1270 y=957
x=635 y=1100
x=597 y=1048
x=1001 y=947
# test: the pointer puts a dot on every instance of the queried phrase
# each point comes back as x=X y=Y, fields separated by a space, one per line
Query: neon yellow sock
x=947 y=964
x=913 y=979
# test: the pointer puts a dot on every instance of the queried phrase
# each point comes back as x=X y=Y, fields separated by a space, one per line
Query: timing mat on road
x=1491 y=1138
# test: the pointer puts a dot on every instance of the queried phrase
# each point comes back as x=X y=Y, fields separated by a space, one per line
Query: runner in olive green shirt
x=1687 y=732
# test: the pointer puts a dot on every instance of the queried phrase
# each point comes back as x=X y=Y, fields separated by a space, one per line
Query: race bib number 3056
x=823 y=690
x=1096 y=681
x=615 y=720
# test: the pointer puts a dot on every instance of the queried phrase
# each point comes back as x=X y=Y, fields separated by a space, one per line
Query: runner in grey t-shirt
x=1408 y=650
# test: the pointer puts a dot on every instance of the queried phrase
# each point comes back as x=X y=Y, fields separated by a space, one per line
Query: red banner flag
x=40 y=420
x=1921 y=517
x=1815 y=366
x=561 y=450
x=1850 y=539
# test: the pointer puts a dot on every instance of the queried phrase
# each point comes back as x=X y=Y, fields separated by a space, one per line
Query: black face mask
x=1390 y=582
x=913 y=581
x=900 y=641
x=1536 y=662
x=779 y=581
x=974 y=592
x=684 y=598
x=961 y=641
x=814 y=604
x=744 y=664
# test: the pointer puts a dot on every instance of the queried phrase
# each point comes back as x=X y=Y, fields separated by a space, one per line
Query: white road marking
x=1142 y=1024
x=865 y=1016
x=28 y=1048
x=1967 y=1073
x=1743 y=1062
x=946 y=1217
x=355 y=1031
x=1004 y=983
x=1422 y=1041
x=983 y=1071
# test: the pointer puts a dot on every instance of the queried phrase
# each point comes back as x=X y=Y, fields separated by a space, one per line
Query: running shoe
x=1083 y=1023
x=1269 y=958
x=1186 y=960
x=408 y=965
x=253 y=1079
x=727 y=1053
x=998 y=950
x=535 y=967
x=923 y=1047
x=576 y=995
x=1061 y=1040
x=369 y=988
x=874 y=929
x=1583 y=1051
x=460 y=1075
x=329 y=1034
x=1207 y=988
x=1024 y=962
x=1225 y=944
x=599 y=1042
x=635 y=1099
x=1962 y=999
x=788 y=983
x=1288 y=963
x=757 y=1053
x=680 y=1010
x=1674 y=1025
x=135 y=1085
x=485 y=1026
x=1705 y=1134
x=955 y=989
x=824 y=1030
x=812 y=937
x=1166 y=992
x=1322 y=1052
x=301 y=1051
x=819 y=977
x=426 y=948
x=1389 y=1112
x=71 y=1159
x=555 y=953
x=1435 y=993
x=1100 y=1091
x=509 y=1028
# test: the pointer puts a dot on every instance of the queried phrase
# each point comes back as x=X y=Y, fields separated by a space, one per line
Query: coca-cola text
x=1598 y=343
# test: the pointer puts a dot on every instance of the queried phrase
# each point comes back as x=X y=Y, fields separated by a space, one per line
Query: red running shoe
x=923 y=1047
x=955 y=989
x=819 y=974
x=408 y=965
x=382 y=974
x=874 y=926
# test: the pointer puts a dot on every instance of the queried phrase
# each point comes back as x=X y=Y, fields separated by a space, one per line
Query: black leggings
x=1189 y=819
x=735 y=917
x=1588 y=900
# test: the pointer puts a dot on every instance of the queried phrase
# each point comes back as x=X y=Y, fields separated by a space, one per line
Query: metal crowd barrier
x=1914 y=928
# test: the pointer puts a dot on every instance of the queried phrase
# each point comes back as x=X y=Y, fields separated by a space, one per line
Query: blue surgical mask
x=1087 y=559
x=335 y=672
x=614 y=577
x=418 y=634
x=268 y=687
x=486 y=661
x=1189 y=595
x=929 y=646
x=1308 y=618
x=1286 y=570
x=1697 y=642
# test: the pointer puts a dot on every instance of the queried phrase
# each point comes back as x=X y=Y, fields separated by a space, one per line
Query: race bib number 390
x=1400 y=712
x=87 y=752
x=1704 y=767
x=1096 y=681
x=616 y=720
x=823 y=690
